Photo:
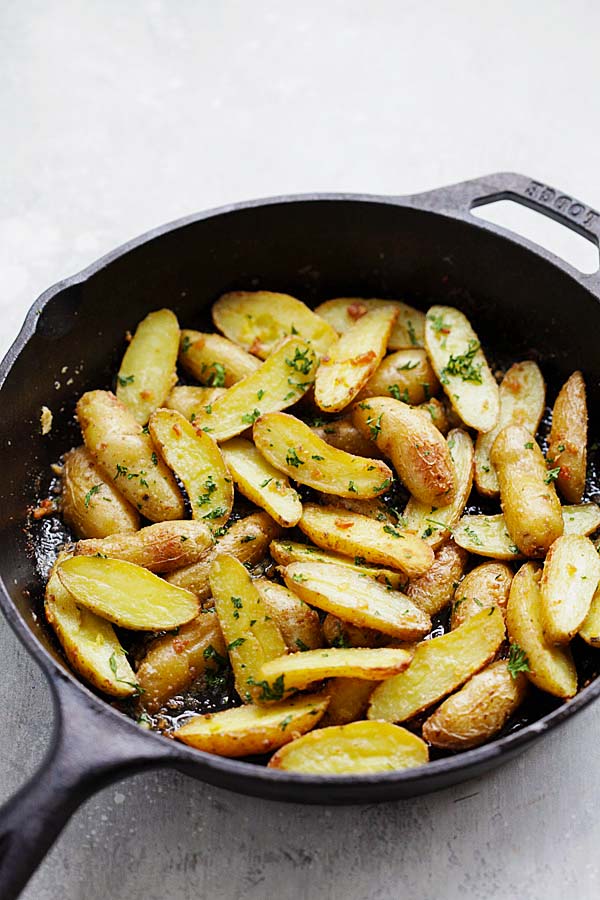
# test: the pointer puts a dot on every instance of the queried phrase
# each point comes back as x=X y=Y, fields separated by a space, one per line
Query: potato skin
x=529 y=502
x=126 y=455
x=91 y=504
x=343 y=434
x=438 y=413
x=485 y=586
x=147 y=371
x=405 y=375
x=300 y=625
x=213 y=360
x=417 y=449
x=567 y=446
x=478 y=711
x=173 y=662
x=338 y=633
x=434 y=590
x=348 y=700
x=248 y=540
x=162 y=547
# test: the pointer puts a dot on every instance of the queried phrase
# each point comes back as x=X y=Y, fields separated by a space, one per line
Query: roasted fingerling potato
x=162 y=547
x=569 y=580
x=417 y=449
x=291 y=446
x=147 y=371
x=529 y=502
x=91 y=504
x=259 y=320
x=478 y=711
x=352 y=359
x=567 y=446
x=485 y=586
x=343 y=434
x=213 y=360
x=434 y=590
x=300 y=625
x=125 y=454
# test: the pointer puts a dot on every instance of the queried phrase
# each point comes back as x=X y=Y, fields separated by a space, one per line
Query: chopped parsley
x=285 y=722
x=260 y=394
x=273 y=691
x=217 y=379
x=250 y=418
x=154 y=458
x=237 y=643
x=124 y=380
x=211 y=653
x=300 y=644
x=389 y=530
x=474 y=536
x=529 y=445
x=93 y=490
x=411 y=333
x=264 y=483
x=301 y=361
x=517 y=661
x=397 y=394
x=463 y=366
x=292 y=458
x=407 y=366
x=352 y=488
x=112 y=662
x=210 y=487
x=552 y=475
x=237 y=605
x=186 y=343
x=248 y=538
x=376 y=428
x=317 y=457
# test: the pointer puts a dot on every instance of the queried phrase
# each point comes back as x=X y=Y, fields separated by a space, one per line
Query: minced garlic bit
x=46 y=420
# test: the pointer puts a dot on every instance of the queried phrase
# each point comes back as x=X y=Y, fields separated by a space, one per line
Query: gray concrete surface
x=115 y=117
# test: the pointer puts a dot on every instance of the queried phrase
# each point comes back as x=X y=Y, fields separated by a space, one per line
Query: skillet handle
x=460 y=199
x=86 y=754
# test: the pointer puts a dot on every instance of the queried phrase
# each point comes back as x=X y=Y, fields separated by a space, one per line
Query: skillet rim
x=174 y=753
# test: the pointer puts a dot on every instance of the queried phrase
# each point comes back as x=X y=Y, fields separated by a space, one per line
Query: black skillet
x=525 y=302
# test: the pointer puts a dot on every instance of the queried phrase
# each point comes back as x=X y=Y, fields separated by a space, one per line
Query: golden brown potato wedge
x=213 y=360
x=344 y=435
x=478 y=711
x=173 y=662
x=343 y=312
x=91 y=505
x=567 y=447
x=198 y=463
x=250 y=730
x=434 y=590
x=162 y=547
x=147 y=371
x=405 y=375
x=549 y=667
x=354 y=535
x=485 y=586
x=352 y=359
x=417 y=449
x=488 y=536
x=569 y=580
x=436 y=525
x=340 y=633
x=299 y=624
x=248 y=540
x=261 y=482
x=355 y=749
x=297 y=670
x=439 y=667
x=252 y=636
x=522 y=400
x=279 y=382
x=590 y=630
x=459 y=363
x=348 y=700
x=291 y=446
x=125 y=454
x=89 y=642
x=286 y=552
x=356 y=599
x=375 y=508
x=126 y=594
x=529 y=502
x=192 y=401
x=259 y=320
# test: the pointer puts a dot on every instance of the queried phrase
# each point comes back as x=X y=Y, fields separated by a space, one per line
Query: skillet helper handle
x=85 y=755
x=459 y=199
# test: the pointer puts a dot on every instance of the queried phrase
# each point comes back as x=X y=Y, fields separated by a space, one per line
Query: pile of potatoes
x=332 y=651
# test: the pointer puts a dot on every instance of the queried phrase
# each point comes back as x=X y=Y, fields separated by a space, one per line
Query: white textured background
x=117 y=116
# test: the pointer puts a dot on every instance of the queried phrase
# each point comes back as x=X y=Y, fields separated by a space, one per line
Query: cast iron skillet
x=525 y=302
